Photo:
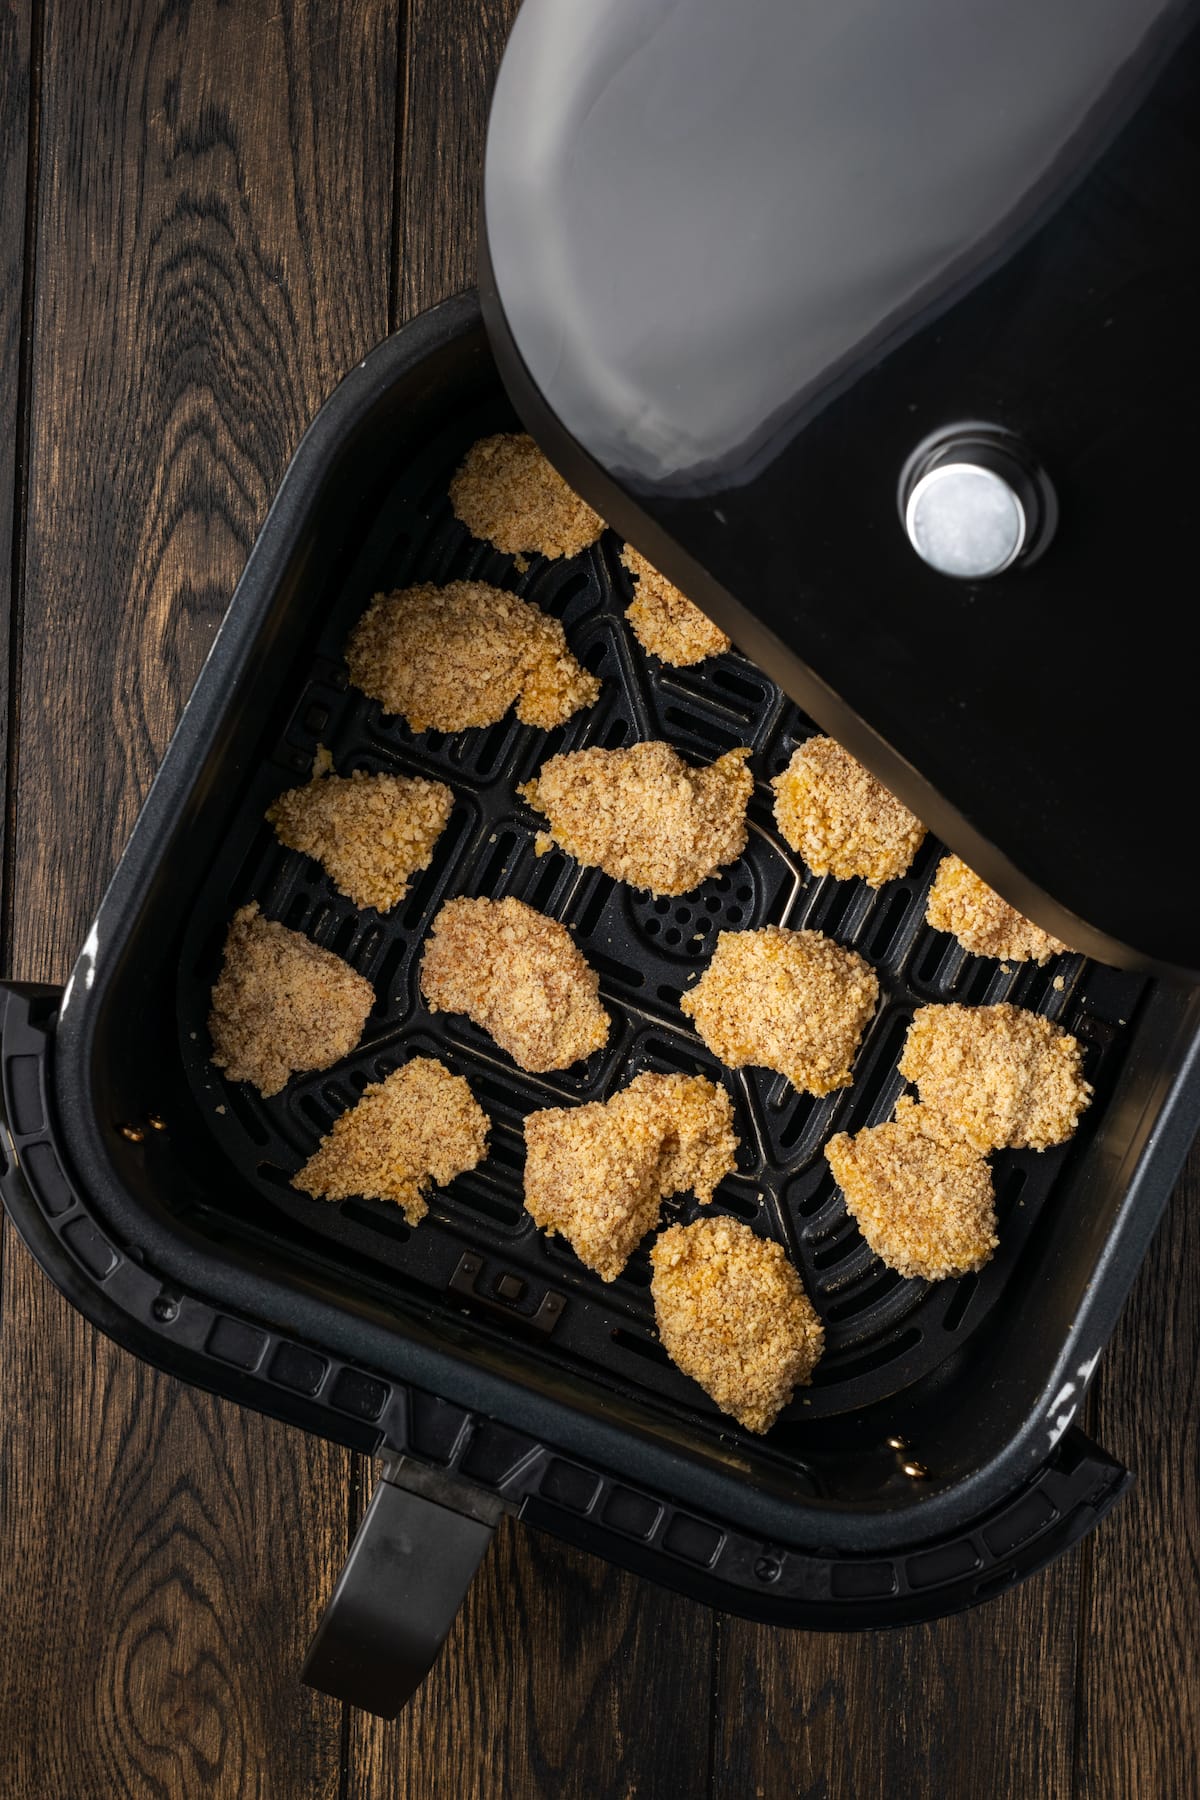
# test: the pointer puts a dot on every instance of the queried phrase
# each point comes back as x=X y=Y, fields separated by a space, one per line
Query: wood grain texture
x=213 y=229
x=564 y=1679
x=453 y=52
x=163 y=1557
x=18 y=127
x=982 y=1703
x=1139 y=1724
x=214 y=225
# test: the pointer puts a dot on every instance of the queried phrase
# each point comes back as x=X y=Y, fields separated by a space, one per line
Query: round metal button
x=965 y=520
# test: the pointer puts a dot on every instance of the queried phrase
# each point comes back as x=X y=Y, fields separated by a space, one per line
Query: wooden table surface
x=208 y=213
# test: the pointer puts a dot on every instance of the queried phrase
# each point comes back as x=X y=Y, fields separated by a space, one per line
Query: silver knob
x=972 y=503
x=965 y=520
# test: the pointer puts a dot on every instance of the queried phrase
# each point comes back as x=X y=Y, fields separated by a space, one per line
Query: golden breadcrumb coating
x=840 y=819
x=793 y=1001
x=520 y=976
x=599 y=1173
x=1001 y=1077
x=643 y=815
x=699 y=1147
x=733 y=1316
x=506 y=492
x=371 y=833
x=421 y=1125
x=665 y=623
x=983 y=923
x=281 y=1004
x=447 y=658
x=923 y=1201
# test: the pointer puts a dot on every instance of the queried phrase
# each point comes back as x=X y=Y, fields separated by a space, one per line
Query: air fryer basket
x=882 y=1333
x=158 y=1196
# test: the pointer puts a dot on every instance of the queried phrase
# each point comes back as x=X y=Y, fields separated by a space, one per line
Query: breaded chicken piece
x=665 y=623
x=507 y=493
x=733 y=1316
x=923 y=1200
x=599 y=1173
x=281 y=1004
x=1000 y=1077
x=370 y=833
x=643 y=815
x=793 y=1001
x=699 y=1146
x=448 y=658
x=520 y=976
x=983 y=923
x=421 y=1125
x=840 y=819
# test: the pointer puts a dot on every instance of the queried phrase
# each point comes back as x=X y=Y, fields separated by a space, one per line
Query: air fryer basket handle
x=408 y=1571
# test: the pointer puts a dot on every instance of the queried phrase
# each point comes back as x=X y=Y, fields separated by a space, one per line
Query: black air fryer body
x=935 y=1458
x=749 y=269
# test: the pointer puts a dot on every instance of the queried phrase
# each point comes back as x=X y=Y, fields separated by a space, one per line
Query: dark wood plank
x=981 y=1703
x=17 y=132
x=564 y=1679
x=214 y=225
x=1139 y=1732
x=163 y=1559
x=453 y=52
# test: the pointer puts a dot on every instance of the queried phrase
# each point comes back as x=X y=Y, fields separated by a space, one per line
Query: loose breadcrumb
x=599 y=1173
x=983 y=923
x=733 y=1316
x=281 y=1004
x=664 y=622
x=447 y=658
x=421 y=1125
x=371 y=833
x=518 y=975
x=793 y=1001
x=840 y=819
x=1001 y=1077
x=506 y=492
x=923 y=1201
x=643 y=815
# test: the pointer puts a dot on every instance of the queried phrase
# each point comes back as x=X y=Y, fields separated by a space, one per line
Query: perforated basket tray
x=883 y=1332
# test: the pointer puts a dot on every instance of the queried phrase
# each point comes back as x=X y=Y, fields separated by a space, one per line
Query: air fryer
x=712 y=354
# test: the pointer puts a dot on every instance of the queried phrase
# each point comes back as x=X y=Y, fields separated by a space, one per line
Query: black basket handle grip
x=409 y=1568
